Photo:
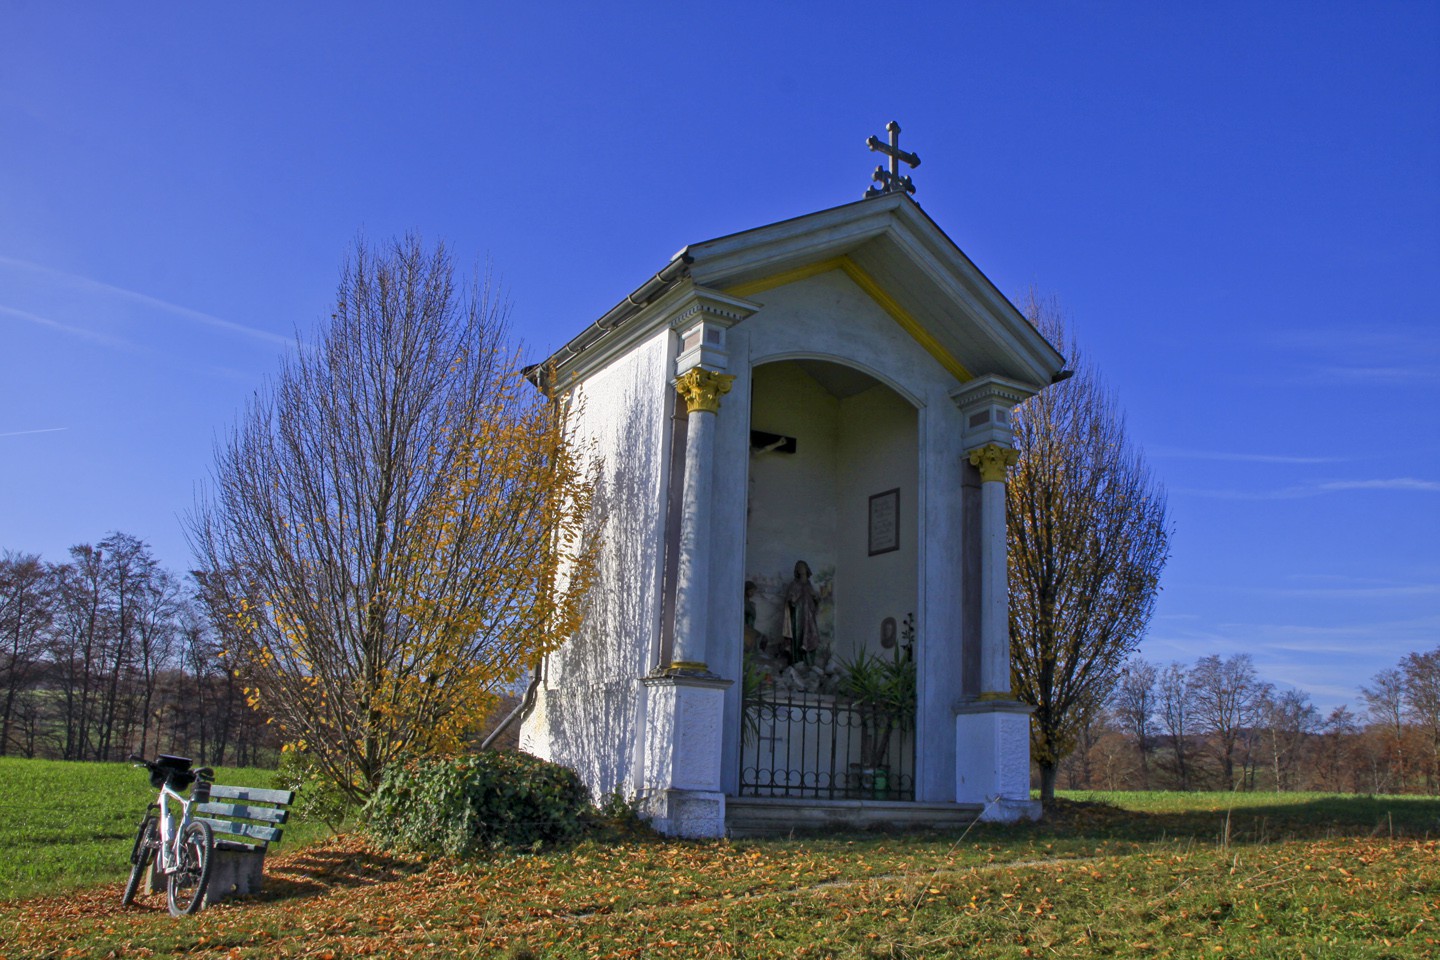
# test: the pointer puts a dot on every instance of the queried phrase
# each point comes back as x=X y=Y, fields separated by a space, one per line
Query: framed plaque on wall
x=885 y=521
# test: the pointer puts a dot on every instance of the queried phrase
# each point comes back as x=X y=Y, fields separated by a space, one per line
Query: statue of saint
x=802 y=601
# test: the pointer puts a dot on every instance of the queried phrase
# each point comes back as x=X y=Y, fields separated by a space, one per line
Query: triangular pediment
x=888 y=247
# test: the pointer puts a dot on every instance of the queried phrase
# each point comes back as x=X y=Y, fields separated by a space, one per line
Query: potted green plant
x=883 y=693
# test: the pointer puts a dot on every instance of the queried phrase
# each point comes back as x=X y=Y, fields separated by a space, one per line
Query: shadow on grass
x=323 y=870
x=1246 y=821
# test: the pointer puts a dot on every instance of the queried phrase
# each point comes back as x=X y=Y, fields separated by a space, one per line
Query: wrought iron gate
x=824 y=747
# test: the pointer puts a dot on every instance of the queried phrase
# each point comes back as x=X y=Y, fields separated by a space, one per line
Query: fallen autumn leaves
x=1001 y=895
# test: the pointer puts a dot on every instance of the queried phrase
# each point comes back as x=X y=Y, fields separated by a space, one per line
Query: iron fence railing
x=824 y=747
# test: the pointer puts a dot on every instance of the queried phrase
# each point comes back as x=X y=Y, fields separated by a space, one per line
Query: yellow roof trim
x=874 y=291
x=753 y=287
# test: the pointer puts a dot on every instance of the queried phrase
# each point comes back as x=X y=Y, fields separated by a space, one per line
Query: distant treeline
x=1216 y=726
x=108 y=654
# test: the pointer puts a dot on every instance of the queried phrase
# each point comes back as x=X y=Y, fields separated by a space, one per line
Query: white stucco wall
x=878 y=443
x=587 y=712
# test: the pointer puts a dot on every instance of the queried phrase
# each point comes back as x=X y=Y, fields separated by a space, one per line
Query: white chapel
x=801 y=615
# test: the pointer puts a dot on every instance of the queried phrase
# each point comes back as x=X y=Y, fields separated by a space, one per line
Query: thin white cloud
x=26 y=433
x=1364 y=355
x=1402 y=484
x=1366 y=340
x=119 y=343
x=1396 y=483
x=1178 y=453
x=92 y=335
x=1328 y=661
x=1373 y=592
x=145 y=299
x=1398 y=375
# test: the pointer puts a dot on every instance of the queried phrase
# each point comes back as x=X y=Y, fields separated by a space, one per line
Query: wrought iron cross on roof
x=890 y=180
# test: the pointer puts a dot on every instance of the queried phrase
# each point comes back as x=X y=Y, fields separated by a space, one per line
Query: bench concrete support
x=234 y=873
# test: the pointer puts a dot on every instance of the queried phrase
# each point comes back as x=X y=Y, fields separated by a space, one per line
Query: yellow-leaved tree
x=397 y=529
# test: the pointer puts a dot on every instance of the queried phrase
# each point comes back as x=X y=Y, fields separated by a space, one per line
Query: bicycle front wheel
x=192 y=875
x=146 y=839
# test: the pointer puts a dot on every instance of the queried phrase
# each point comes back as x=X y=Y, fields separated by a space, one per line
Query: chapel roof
x=887 y=245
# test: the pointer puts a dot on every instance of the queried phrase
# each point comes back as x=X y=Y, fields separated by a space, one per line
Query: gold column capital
x=702 y=389
x=993 y=460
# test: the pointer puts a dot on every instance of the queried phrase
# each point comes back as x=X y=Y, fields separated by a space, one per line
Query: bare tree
x=1177 y=718
x=128 y=573
x=1290 y=719
x=77 y=645
x=24 y=615
x=158 y=606
x=396 y=530
x=1228 y=702
x=1088 y=539
x=1134 y=705
x=1385 y=708
x=1422 y=704
x=1333 y=759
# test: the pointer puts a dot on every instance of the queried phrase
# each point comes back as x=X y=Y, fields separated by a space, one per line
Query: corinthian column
x=701 y=389
x=993 y=460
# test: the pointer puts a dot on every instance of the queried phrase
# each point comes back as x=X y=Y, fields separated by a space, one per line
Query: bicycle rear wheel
x=192 y=875
x=146 y=839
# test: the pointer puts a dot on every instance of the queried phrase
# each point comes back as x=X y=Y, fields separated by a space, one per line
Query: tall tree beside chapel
x=1088 y=539
x=398 y=528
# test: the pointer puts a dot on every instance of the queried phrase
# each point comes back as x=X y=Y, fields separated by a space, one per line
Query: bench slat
x=236 y=828
x=267 y=814
x=255 y=794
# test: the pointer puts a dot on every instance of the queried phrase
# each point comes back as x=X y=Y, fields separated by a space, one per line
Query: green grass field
x=1105 y=875
x=65 y=825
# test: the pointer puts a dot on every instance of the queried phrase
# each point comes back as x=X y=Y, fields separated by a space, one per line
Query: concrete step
x=774 y=816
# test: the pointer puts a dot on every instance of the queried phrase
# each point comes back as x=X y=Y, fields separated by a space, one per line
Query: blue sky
x=1237 y=205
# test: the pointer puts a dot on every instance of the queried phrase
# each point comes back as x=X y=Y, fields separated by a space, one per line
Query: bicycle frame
x=167 y=856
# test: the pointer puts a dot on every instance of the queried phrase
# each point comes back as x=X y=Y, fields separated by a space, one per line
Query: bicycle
x=181 y=846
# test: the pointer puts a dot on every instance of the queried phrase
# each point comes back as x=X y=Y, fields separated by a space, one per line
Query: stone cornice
x=992 y=389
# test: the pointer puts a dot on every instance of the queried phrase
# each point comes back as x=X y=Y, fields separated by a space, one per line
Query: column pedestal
x=992 y=733
x=992 y=759
x=684 y=724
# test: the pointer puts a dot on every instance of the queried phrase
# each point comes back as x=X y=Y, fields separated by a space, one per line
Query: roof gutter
x=644 y=295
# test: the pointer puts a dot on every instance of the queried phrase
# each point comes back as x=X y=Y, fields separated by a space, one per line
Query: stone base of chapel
x=686 y=813
x=992 y=759
x=684 y=716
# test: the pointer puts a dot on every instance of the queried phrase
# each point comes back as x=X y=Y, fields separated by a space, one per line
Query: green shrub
x=461 y=806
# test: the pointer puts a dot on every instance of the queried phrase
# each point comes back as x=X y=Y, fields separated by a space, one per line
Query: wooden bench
x=245 y=821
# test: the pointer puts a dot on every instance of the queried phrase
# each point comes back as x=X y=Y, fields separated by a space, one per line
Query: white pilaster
x=684 y=710
x=992 y=731
x=993 y=460
x=692 y=594
x=702 y=390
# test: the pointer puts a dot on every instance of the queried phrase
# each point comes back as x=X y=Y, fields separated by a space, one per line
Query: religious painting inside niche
x=885 y=522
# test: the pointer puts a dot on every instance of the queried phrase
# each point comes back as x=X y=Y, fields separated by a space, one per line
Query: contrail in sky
x=147 y=300
x=81 y=332
x=23 y=433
